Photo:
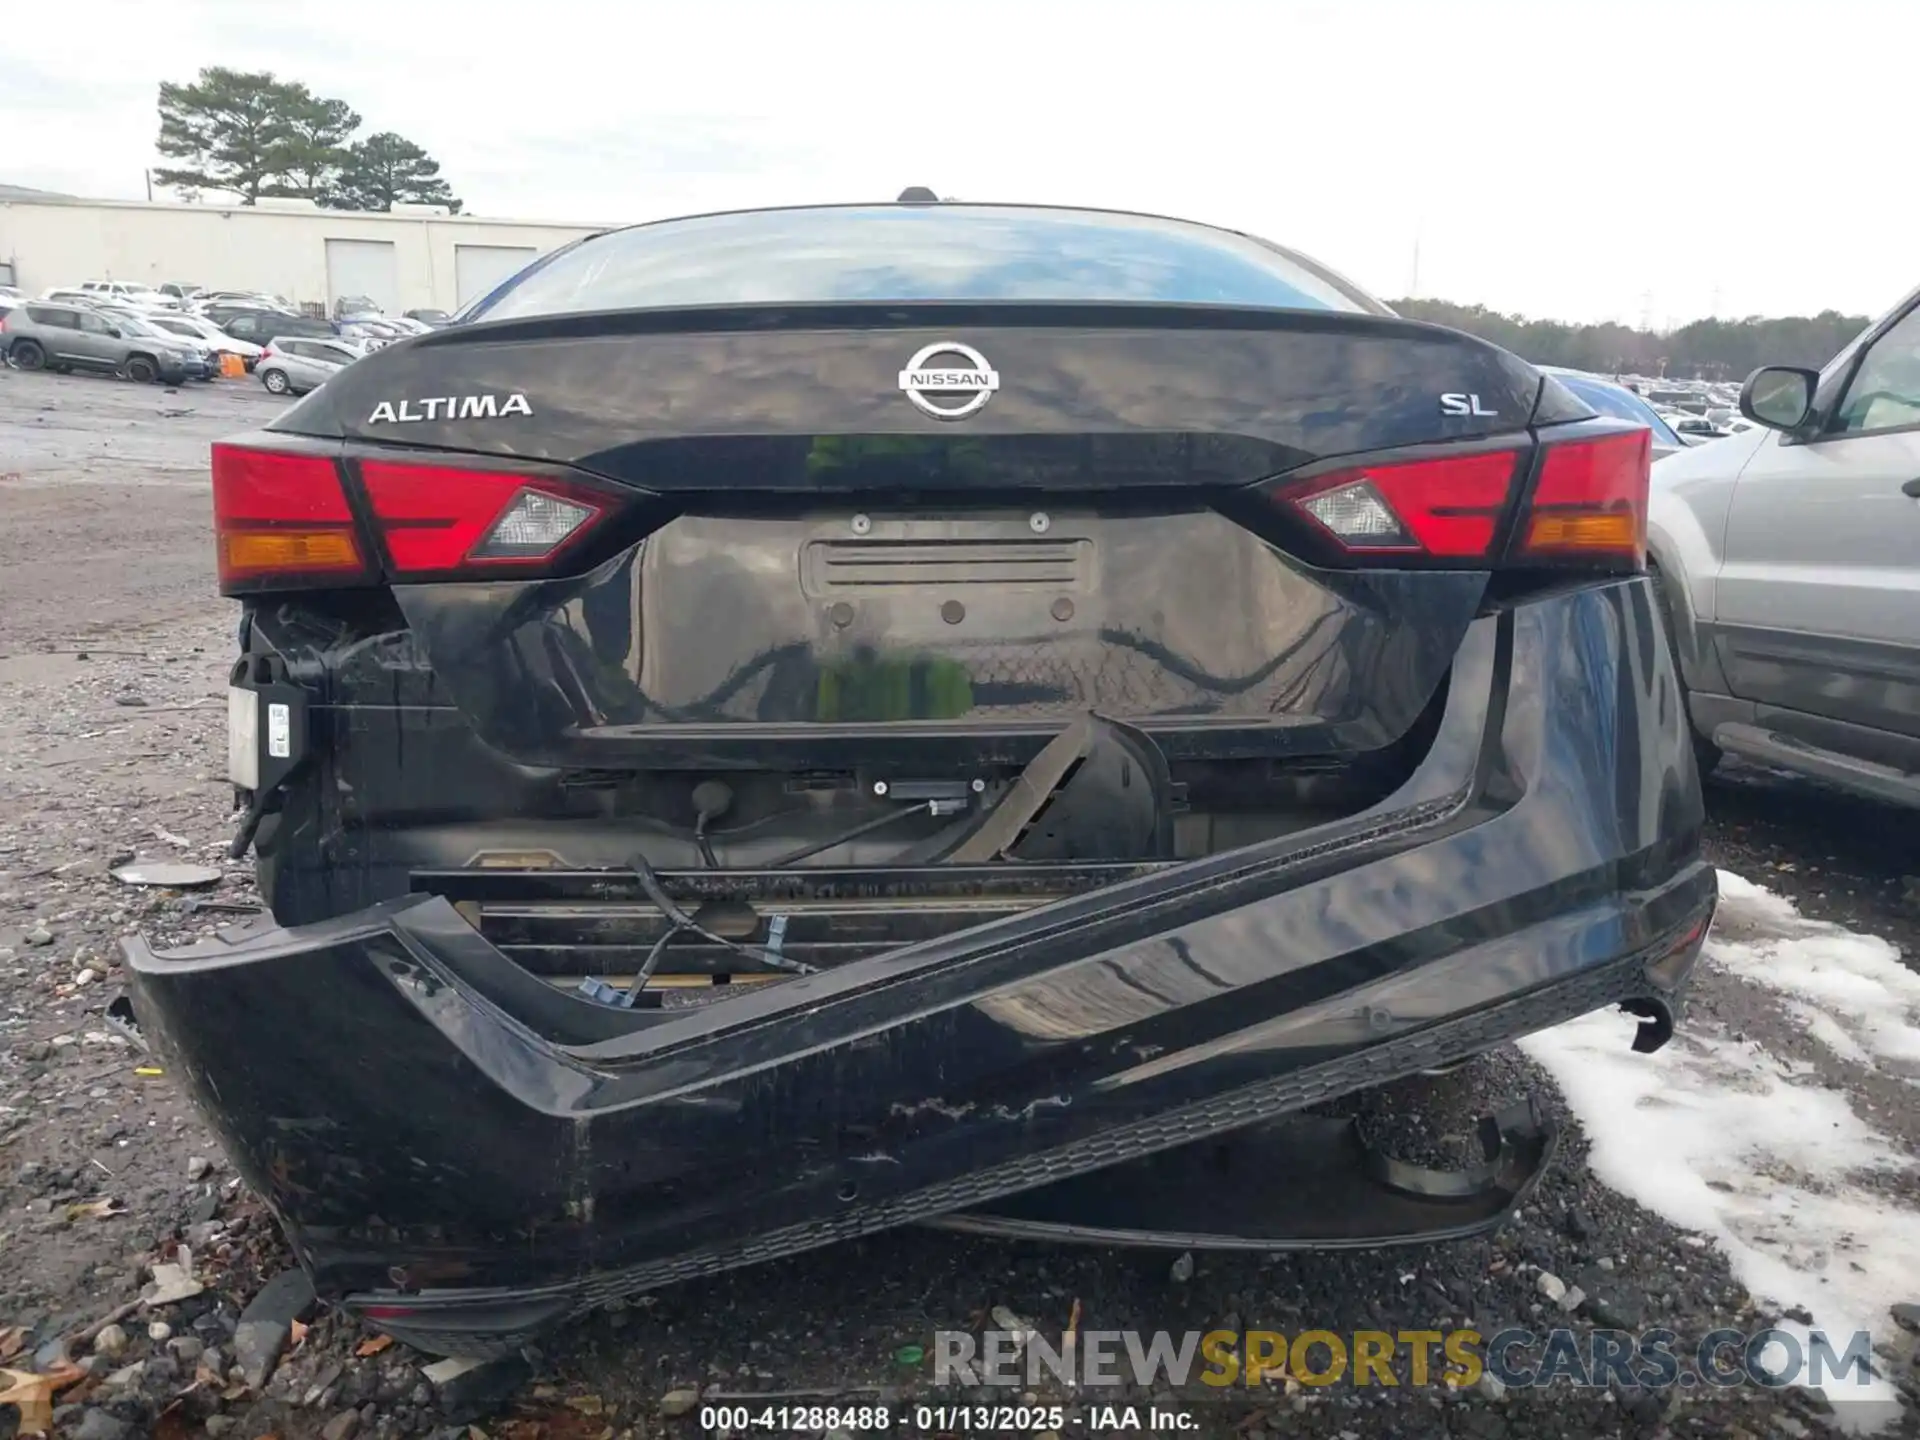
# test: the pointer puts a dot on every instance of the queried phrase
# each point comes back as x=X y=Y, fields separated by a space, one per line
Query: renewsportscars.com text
x=1517 y=1358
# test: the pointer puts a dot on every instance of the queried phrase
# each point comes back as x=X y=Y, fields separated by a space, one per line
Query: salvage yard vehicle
x=39 y=335
x=135 y=323
x=211 y=335
x=263 y=327
x=1696 y=430
x=1608 y=397
x=296 y=365
x=1788 y=555
x=785 y=724
x=371 y=334
x=208 y=300
x=130 y=292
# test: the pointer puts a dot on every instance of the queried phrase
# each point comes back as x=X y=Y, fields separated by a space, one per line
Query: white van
x=129 y=292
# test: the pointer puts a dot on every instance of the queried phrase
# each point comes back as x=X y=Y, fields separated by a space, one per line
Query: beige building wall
x=277 y=247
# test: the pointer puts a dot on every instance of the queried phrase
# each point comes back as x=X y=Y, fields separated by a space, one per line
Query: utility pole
x=149 y=175
x=1646 y=310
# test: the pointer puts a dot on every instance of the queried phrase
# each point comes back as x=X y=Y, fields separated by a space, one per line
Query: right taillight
x=1456 y=509
x=281 y=518
x=1590 y=502
x=1443 y=507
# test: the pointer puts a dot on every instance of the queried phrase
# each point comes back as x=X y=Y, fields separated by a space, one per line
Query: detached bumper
x=463 y=1154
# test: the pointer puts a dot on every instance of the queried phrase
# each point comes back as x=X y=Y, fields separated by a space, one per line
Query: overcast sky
x=1582 y=159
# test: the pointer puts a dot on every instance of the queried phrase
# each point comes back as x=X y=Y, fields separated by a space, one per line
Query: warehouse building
x=416 y=257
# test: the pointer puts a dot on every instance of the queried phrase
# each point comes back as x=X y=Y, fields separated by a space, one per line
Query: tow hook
x=1656 y=1023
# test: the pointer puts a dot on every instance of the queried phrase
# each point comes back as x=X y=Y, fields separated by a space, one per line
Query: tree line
x=1703 y=350
x=250 y=133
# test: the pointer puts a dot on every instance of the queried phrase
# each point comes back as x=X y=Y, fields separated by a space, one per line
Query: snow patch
x=1851 y=991
x=1722 y=1137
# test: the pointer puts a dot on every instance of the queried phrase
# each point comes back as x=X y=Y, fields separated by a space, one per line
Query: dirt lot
x=113 y=648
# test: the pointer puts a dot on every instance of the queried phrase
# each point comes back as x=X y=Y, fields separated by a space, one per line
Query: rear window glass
x=908 y=253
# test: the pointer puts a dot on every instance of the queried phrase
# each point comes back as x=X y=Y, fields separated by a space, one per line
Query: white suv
x=129 y=292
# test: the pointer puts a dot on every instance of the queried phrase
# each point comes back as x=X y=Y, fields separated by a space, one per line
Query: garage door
x=478 y=268
x=363 y=267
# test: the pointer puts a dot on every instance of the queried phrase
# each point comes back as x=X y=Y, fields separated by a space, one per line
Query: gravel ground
x=113 y=650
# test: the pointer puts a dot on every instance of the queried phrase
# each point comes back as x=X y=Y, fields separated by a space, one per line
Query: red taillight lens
x=1591 y=500
x=439 y=519
x=1447 y=507
x=279 y=516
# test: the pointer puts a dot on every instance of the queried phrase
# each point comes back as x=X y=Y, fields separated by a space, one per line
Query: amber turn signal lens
x=1616 y=531
x=251 y=552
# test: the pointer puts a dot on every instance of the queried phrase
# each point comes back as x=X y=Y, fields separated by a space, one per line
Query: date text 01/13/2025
x=938 y=1419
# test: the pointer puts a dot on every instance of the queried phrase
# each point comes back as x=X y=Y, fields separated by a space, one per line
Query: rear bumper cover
x=462 y=1173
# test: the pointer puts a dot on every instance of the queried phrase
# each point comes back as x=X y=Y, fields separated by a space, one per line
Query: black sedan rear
x=786 y=724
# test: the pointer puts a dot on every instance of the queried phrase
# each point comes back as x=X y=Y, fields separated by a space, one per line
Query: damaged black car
x=778 y=725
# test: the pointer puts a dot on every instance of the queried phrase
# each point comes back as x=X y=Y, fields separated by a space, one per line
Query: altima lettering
x=1463 y=405
x=450 y=407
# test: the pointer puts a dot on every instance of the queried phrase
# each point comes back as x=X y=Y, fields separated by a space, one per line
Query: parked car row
x=60 y=337
x=178 y=333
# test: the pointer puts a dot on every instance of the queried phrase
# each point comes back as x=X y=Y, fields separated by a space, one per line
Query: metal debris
x=170 y=874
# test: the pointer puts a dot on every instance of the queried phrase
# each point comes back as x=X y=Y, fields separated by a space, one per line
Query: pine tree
x=230 y=128
x=386 y=169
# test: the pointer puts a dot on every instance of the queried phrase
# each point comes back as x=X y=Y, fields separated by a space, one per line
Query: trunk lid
x=814 y=571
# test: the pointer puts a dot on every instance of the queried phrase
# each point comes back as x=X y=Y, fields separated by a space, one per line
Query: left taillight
x=282 y=519
x=285 y=520
x=437 y=520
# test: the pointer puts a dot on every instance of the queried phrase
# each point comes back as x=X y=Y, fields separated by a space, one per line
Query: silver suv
x=1788 y=556
x=42 y=335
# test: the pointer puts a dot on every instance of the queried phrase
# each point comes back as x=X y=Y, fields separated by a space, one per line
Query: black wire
x=680 y=920
x=925 y=808
x=645 y=973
